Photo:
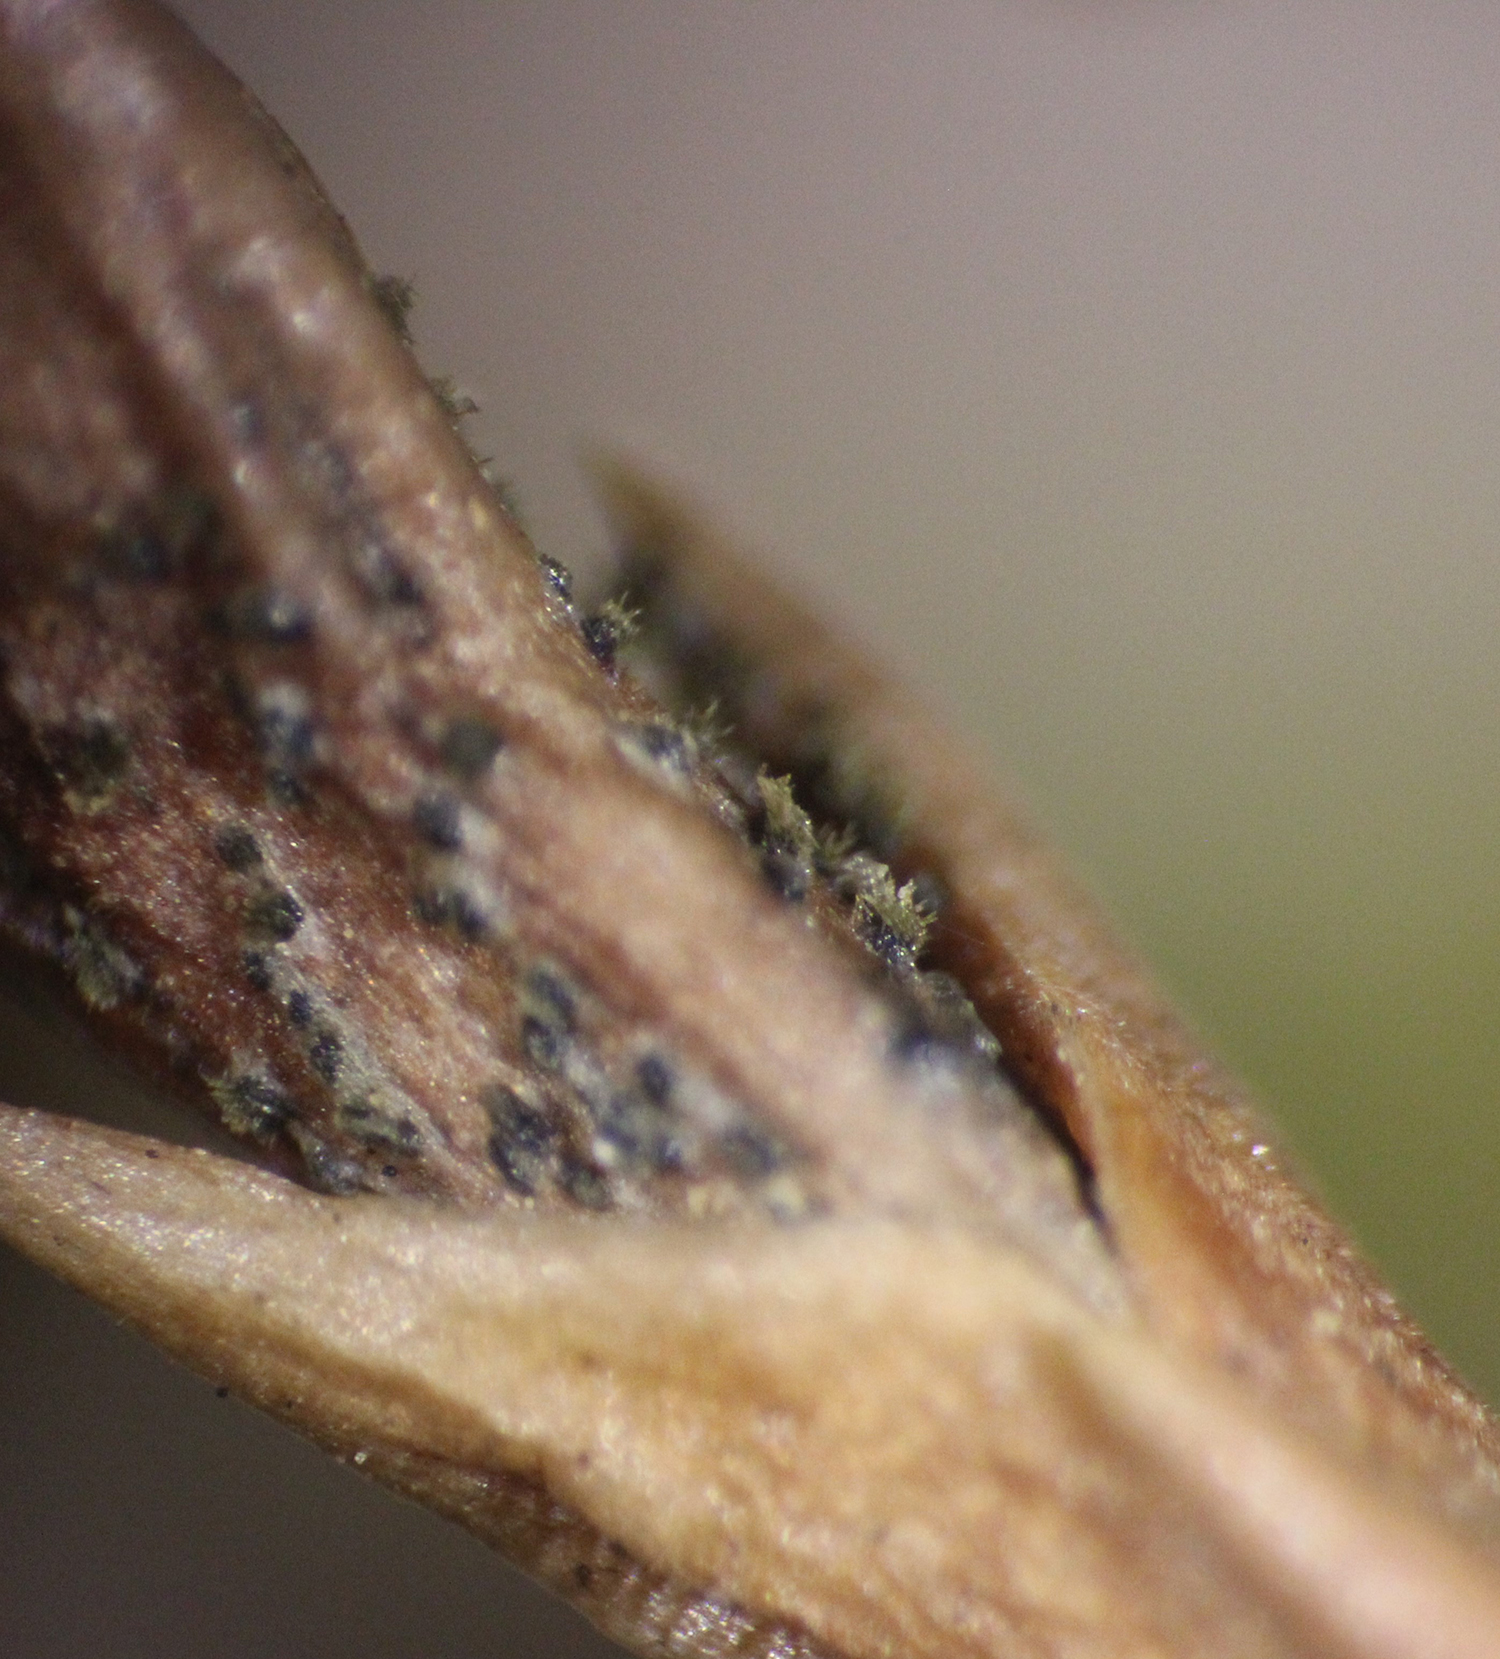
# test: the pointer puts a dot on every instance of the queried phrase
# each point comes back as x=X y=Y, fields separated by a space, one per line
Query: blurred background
x=1130 y=375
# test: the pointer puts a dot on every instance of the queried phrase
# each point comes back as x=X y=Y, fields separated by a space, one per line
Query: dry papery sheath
x=695 y=1136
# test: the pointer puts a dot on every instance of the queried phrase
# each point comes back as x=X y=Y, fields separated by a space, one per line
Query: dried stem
x=752 y=1188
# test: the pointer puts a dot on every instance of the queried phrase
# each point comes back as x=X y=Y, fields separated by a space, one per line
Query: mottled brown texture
x=353 y=596
x=707 y=1261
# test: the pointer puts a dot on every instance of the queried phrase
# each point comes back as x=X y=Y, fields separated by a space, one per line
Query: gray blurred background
x=1130 y=374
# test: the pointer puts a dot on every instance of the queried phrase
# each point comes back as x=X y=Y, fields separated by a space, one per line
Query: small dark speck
x=386 y=576
x=666 y=745
x=436 y=818
x=151 y=1152
x=257 y=969
x=557 y=577
x=277 y=915
x=469 y=747
x=654 y=1074
x=237 y=848
x=137 y=555
x=543 y=1043
x=221 y=1393
x=583 y=1575
x=286 y=788
x=788 y=874
x=326 y=1056
x=299 y=1008
x=390 y=1172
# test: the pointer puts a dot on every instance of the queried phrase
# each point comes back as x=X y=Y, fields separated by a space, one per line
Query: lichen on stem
x=748 y=1184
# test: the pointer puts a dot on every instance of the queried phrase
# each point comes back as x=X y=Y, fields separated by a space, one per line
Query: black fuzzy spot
x=469 y=747
x=656 y=1078
x=330 y=1171
x=265 y=616
x=105 y=974
x=452 y=906
x=277 y=915
x=437 y=821
x=751 y=1153
x=386 y=577
x=284 y=727
x=522 y=1140
x=395 y=295
x=299 y=1009
x=602 y=634
x=552 y=997
x=248 y=422
x=237 y=848
x=326 y=1055
x=544 y=1043
x=257 y=968
x=259 y=1107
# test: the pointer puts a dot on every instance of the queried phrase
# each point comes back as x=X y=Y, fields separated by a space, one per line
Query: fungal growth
x=776 y=1210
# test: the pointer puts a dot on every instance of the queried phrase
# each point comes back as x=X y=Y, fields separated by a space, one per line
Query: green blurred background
x=1130 y=374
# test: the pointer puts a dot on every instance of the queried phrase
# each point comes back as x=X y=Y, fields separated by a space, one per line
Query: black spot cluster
x=448 y=903
x=524 y=1143
x=152 y=546
x=274 y=914
x=258 y=1107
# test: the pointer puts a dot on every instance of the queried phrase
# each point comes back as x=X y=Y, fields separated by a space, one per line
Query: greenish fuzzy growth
x=704 y=726
x=890 y=919
x=395 y=295
x=105 y=974
x=790 y=828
